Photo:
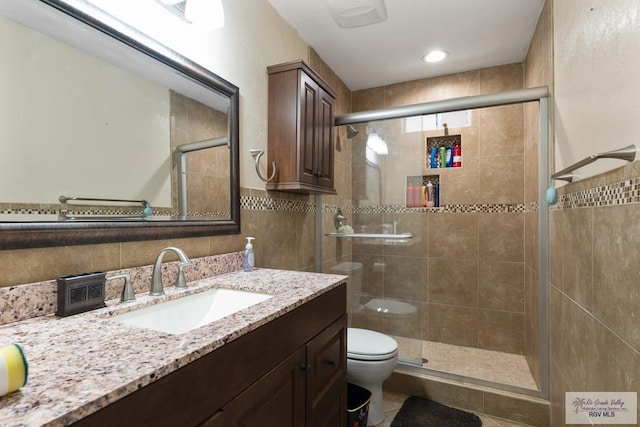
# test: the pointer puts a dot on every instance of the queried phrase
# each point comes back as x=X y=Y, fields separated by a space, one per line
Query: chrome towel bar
x=627 y=153
x=146 y=206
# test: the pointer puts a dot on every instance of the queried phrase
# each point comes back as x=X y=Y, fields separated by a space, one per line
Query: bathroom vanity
x=281 y=362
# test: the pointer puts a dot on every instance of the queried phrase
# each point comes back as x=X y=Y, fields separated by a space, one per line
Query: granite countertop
x=81 y=363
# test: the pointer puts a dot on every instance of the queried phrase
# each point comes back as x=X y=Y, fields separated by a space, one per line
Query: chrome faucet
x=156 y=277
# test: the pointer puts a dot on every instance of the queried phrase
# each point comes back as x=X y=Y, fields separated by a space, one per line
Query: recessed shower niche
x=435 y=146
x=423 y=191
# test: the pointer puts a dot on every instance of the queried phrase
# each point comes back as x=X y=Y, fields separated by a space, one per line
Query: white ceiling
x=476 y=33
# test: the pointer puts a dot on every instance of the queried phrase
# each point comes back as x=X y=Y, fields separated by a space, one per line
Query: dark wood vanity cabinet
x=288 y=372
x=307 y=389
x=301 y=130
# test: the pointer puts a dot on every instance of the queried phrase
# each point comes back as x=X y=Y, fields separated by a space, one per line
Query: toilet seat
x=363 y=344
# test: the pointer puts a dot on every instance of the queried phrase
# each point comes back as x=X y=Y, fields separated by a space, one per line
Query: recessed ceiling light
x=435 y=56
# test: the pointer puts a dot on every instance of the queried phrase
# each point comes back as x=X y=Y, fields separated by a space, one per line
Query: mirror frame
x=21 y=235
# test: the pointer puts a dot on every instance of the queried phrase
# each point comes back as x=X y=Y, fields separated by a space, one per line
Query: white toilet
x=371 y=358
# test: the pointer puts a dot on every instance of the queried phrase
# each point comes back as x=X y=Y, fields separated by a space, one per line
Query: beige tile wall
x=463 y=270
x=594 y=298
x=207 y=170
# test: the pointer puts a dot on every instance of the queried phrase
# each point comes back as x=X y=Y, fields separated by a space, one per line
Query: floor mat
x=419 y=412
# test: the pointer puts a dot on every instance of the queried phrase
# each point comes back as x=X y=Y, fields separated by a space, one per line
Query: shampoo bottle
x=430 y=195
x=433 y=158
x=417 y=198
x=410 y=201
x=457 y=155
x=248 y=260
x=442 y=156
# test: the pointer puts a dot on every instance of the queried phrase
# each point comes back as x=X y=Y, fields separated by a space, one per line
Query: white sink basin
x=191 y=312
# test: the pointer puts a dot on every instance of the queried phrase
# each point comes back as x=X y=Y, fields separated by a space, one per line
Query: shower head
x=351 y=131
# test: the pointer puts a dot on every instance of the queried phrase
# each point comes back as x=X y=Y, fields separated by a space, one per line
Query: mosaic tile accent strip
x=619 y=193
x=531 y=207
x=86 y=213
x=481 y=208
x=254 y=203
x=264 y=203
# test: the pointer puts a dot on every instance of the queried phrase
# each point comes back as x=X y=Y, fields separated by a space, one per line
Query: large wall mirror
x=106 y=135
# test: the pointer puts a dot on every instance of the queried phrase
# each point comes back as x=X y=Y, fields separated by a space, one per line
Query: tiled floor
x=393 y=402
x=495 y=366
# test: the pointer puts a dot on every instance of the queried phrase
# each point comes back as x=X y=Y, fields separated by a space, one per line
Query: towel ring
x=256 y=153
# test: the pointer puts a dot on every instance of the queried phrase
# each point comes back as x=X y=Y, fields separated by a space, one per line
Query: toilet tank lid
x=367 y=342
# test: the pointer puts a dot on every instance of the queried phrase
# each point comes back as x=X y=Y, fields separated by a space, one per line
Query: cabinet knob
x=331 y=362
x=305 y=368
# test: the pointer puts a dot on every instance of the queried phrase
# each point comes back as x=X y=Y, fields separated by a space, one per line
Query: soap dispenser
x=249 y=260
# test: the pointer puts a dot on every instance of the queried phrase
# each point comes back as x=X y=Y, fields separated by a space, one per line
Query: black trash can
x=358 y=399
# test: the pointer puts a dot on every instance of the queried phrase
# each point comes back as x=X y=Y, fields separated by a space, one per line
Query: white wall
x=59 y=130
x=597 y=80
x=253 y=37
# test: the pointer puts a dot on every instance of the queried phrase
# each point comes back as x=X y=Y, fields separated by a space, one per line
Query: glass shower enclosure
x=444 y=195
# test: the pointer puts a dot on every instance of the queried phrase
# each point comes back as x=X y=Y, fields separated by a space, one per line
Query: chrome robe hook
x=256 y=153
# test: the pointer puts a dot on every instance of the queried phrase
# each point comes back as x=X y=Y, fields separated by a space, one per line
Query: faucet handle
x=181 y=281
x=128 y=294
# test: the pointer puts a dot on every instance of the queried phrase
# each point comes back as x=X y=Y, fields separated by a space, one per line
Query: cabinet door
x=324 y=140
x=308 y=116
x=326 y=379
x=277 y=399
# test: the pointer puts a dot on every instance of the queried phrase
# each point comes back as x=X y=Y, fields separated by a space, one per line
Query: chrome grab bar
x=401 y=236
x=65 y=199
x=146 y=206
x=627 y=153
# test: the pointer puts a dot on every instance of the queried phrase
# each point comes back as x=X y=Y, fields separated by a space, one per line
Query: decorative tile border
x=618 y=193
x=255 y=203
x=475 y=208
x=88 y=212
x=265 y=203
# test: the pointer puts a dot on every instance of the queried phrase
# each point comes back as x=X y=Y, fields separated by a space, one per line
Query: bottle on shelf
x=410 y=201
x=430 y=195
x=433 y=158
x=416 y=195
x=442 y=156
x=457 y=155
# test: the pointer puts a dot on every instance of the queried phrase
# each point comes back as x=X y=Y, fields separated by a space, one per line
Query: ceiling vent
x=356 y=13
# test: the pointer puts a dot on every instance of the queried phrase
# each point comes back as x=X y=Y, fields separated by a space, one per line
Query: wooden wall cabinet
x=301 y=130
x=290 y=372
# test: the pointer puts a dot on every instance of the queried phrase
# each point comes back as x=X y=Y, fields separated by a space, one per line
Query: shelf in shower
x=401 y=236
